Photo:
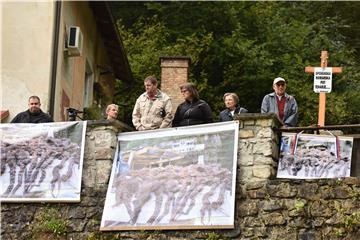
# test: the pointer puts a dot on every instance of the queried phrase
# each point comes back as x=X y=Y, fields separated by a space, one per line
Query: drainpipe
x=54 y=58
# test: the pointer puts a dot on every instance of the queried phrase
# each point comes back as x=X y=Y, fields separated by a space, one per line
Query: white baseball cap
x=278 y=79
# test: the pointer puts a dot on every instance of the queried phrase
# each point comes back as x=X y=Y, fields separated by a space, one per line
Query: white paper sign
x=322 y=80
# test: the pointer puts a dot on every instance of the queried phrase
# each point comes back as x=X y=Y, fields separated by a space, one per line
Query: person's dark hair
x=152 y=79
x=233 y=95
x=191 y=88
x=34 y=97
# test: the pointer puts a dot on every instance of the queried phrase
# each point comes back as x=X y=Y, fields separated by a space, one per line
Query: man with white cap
x=281 y=103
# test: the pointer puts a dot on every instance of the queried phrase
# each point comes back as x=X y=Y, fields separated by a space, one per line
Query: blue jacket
x=269 y=105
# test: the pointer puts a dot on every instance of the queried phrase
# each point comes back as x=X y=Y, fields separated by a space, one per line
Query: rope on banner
x=294 y=148
x=337 y=145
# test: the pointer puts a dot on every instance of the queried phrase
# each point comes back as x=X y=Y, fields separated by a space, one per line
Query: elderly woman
x=231 y=101
x=193 y=110
x=112 y=112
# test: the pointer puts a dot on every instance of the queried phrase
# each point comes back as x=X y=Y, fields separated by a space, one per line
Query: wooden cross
x=322 y=96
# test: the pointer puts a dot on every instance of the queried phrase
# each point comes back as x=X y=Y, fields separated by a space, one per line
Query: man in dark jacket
x=34 y=114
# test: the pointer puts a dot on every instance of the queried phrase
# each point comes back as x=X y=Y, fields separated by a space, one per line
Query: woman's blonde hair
x=112 y=105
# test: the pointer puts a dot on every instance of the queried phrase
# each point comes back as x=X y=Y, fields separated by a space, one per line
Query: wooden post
x=322 y=96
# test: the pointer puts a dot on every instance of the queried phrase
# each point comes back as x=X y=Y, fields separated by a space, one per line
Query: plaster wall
x=26 y=48
x=72 y=70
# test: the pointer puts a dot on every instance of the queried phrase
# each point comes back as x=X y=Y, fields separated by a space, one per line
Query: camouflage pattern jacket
x=152 y=114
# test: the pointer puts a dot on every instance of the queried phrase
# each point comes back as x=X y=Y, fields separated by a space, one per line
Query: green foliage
x=267 y=197
x=338 y=207
x=299 y=205
x=339 y=232
x=354 y=192
x=352 y=221
x=49 y=221
x=350 y=224
x=93 y=113
x=92 y=236
x=102 y=236
x=214 y=236
x=242 y=46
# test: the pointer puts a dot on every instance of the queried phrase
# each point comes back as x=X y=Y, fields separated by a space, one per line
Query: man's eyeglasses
x=280 y=84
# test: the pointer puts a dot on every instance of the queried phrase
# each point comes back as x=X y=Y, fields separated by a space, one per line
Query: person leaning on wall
x=281 y=103
x=34 y=114
x=112 y=111
x=193 y=110
x=231 y=101
x=152 y=109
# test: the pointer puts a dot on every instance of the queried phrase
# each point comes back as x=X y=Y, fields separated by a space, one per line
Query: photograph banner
x=307 y=156
x=42 y=162
x=175 y=178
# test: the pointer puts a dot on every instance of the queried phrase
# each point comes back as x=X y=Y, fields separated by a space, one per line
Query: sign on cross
x=322 y=94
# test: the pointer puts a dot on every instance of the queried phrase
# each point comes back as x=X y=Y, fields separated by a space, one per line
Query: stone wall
x=266 y=207
x=258 y=147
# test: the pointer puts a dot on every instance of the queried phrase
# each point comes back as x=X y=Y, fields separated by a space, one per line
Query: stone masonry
x=174 y=73
x=266 y=207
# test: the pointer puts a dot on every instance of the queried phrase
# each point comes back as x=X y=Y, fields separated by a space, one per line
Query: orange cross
x=322 y=96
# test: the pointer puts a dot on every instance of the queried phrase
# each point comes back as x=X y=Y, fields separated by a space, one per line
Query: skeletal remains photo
x=312 y=156
x=41 y=167
x=173 y=181
x=174 y=191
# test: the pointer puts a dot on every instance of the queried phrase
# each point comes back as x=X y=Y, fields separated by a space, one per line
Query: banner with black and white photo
x=42 y=162
x=175 y=178
x=308 y=156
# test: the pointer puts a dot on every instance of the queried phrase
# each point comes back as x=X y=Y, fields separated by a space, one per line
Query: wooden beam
x=313 y=128
x=334 y=69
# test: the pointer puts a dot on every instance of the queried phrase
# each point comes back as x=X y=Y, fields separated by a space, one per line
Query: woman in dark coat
x=231 y=101
x=193 y=110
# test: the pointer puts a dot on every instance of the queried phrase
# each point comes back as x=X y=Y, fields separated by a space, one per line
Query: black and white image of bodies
x=305 y=156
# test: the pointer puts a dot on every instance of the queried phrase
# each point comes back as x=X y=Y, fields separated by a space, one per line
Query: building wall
x=266 y=207
x=72 y=70
x=26 y=48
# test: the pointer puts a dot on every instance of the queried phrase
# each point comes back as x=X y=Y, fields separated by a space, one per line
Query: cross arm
x=334 y=70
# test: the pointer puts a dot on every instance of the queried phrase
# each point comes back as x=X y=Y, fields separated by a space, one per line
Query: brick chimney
x=174 y=72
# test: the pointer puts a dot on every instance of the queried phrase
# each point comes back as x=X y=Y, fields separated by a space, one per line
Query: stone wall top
x=122 y=127
x=257 y=116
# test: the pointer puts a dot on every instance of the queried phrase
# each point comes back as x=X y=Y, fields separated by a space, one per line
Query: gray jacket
x=269 y=105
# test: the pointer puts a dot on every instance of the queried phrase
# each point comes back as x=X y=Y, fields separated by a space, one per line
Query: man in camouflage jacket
x=152 y=109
